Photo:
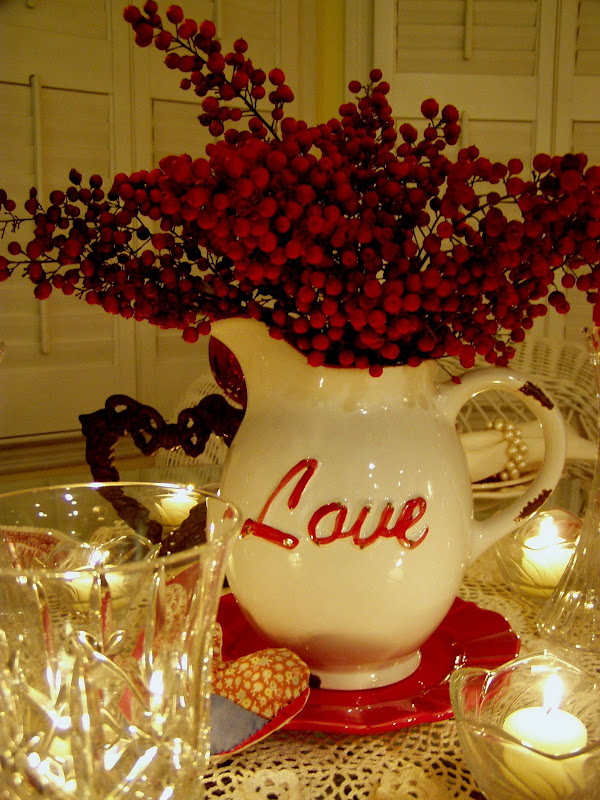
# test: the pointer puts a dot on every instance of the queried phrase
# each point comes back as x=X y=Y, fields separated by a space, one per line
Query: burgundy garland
x=122 y=416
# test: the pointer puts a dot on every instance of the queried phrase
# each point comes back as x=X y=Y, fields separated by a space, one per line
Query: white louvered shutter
x=62 y=357
x=492 y=59
x=525 y=74
x=577 y=116
x=102 y=105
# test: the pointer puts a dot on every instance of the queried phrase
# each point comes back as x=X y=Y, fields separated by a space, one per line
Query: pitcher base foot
x=368 y=676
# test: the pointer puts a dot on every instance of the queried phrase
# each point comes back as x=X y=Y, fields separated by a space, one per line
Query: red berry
x=131 y=14
x=143 y=34
x=216 y=64
x=207 y=29
x=430 y=108
x=570 y=180
x=174 y=14
x=542 y=162
x=450 y=114
x=187 y=29
x=163 y=40
x=43 y=290
x=276 y=76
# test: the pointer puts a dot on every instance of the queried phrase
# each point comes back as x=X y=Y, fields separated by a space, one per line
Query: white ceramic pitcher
x=357 y=504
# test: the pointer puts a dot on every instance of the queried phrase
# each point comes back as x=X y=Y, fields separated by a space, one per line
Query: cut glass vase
x=570 y=619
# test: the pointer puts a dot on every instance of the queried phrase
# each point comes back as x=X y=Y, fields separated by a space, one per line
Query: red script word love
x=409 y=514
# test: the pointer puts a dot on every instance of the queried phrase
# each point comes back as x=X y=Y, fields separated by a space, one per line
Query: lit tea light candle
x=175 y=508
x=87 y=566
x=81 y=581
x=552 y=731
x=546 y=554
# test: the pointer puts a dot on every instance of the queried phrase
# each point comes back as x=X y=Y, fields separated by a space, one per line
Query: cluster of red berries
x=193 y=50
x=358 y=241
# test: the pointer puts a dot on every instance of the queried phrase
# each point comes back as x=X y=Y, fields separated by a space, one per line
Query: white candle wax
x=551 y=731
x=545 y=556
x=554 y=732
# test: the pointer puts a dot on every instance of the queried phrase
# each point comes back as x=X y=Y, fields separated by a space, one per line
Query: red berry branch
x=193 y=50
x=358 y=241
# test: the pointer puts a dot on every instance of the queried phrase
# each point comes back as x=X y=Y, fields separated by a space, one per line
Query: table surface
x=422 y=762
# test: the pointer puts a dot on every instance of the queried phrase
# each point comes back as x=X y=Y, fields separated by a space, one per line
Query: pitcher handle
x=485 y=532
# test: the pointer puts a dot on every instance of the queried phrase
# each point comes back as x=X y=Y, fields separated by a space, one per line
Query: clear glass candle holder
x=533 y=559
x=108 y=598
x=529 y=730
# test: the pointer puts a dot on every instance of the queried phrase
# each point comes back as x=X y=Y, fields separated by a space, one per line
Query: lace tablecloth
x=422 y=762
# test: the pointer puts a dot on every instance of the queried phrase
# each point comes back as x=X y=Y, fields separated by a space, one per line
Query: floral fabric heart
x=263 y=682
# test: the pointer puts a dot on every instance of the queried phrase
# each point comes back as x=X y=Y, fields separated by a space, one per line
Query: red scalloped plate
x=468 y=636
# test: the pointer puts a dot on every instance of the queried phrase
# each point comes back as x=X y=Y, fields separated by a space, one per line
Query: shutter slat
x=589 y=13
x=75 y=133
x=198 y=9
x=431 y=12
x=14 y=100
x=16 y=140
x=448 y=62
x=588 y=37
x=25 y=354
x=588 y=63
x=430 y=37
x=587 y=57
x=500 y=140
x=171 y=345
x=77 y=335
x=176 y=129
x=257 y=23
x=504 y=38
x=498 y=12
x=84 y=19
x=586 y=139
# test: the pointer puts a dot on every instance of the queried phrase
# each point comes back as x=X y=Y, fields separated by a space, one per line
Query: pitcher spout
x=234 y=331
x=260 y=356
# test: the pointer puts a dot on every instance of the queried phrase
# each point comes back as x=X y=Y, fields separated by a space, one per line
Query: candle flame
x=553 y=692
x=546 y=535
x=98 y=557
x=183 y=494
x=549 y=532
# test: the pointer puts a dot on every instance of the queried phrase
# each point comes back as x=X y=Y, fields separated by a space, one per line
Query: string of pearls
x=516 y=448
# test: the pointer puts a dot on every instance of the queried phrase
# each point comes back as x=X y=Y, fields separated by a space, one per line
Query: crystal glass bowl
x=108 y=597
x=534 y=557
x=530 y=730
